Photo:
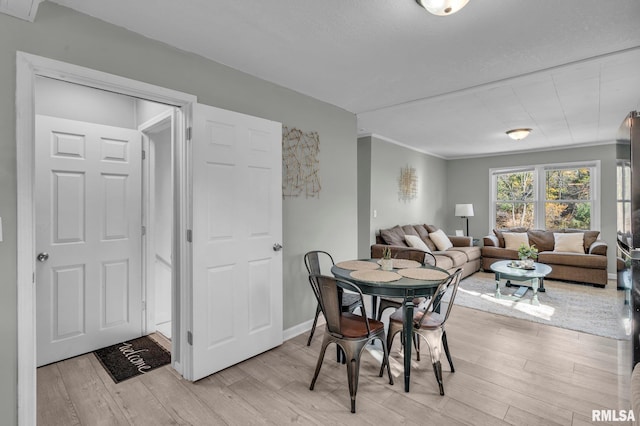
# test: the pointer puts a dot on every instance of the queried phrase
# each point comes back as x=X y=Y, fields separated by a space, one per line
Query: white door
x=88 y=237
x=236 y=220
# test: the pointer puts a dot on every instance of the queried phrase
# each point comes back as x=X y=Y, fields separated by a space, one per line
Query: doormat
x=132 y=358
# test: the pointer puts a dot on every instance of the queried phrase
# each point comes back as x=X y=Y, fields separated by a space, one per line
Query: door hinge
x=144 y=306
x=189 y=338
x=188 y=133
x=189 y=235
x=144 y=154
x=144 y=230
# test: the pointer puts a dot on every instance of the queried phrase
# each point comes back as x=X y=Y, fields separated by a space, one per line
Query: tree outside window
x=515 y=199
x=568 y=203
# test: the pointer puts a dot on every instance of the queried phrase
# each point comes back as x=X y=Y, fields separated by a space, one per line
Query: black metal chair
x=428 y=323
x=313 y=261
x=349 y=331
x=424 y=258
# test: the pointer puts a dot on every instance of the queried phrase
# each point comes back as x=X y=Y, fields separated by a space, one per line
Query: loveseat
x=579 y=257
x=460 y=254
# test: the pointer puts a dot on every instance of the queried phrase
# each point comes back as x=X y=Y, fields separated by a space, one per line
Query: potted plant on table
x=527 y=254
x=386 y=262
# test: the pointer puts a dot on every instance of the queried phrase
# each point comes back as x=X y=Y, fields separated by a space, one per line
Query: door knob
x=277 y=247
x=42 y=257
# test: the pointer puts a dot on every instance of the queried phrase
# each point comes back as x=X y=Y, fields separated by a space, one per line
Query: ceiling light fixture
x=518 y=134
x=442 y=7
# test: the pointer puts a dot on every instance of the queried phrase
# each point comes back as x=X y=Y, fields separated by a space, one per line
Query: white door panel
x=236 y=220
x=88 y=220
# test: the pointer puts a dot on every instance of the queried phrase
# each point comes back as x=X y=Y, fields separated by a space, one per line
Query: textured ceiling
x=450 y=86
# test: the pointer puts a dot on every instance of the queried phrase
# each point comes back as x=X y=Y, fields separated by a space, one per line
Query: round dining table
x=402 y=287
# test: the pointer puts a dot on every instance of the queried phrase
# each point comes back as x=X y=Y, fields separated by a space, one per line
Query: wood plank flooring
x=508 y=371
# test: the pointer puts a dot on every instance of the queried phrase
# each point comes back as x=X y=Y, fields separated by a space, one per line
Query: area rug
x=573 y=306
x=132 y=358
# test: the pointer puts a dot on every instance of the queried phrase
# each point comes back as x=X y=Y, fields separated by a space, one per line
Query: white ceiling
x=449 y=86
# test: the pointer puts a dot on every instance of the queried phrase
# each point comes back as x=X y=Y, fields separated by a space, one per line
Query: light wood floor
x=508 y=371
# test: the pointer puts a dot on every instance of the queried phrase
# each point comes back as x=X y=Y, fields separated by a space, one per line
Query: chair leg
x=385 y=360
x=325 y=343
x=313 y=327
x=353 y=370
x=446 y=350
x=390 y=335
x=416 y=343
x=437 y=369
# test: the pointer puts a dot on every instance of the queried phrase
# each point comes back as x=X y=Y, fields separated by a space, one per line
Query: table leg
x=408 y=341
x=534 y=285
x=374 y=307
x=498 y=295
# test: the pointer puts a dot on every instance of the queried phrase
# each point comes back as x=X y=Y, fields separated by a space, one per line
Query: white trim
x=395 y=142
x=163 y=121
x=304 y=327
x=27 y=68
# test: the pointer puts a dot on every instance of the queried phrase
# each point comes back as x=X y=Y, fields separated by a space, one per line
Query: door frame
x=163 y=121
x=28 y=67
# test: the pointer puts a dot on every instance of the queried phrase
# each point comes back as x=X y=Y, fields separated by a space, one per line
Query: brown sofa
x=462 y=255
x=588 y=267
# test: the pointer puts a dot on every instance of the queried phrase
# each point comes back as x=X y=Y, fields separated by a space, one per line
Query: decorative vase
x=386 y=264
x=528 y=263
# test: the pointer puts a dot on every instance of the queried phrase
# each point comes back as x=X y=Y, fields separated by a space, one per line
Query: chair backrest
x=425 y=258
x=327 y=291
x=316 y=259
x=433 y=305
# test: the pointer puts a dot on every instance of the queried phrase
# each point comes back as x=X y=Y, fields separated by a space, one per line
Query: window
x=624 y=196
x=552 y=196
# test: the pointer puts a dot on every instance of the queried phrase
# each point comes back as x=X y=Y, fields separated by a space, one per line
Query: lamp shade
x=464 y=210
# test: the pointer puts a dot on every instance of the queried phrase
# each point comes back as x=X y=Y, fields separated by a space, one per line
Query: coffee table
x=506 y=269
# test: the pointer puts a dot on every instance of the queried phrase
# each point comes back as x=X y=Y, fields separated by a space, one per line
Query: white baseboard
x=299 y=329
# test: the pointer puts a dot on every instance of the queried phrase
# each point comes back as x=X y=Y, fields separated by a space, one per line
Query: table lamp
x=464 y=211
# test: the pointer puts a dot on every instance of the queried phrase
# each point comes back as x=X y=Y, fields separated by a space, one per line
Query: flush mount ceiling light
x=518 y=134
x=442 y=7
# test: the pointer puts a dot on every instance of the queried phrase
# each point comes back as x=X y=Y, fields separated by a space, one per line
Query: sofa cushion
x=416 y=242
x=424 y=234
x=393 y=236
x=569 y=242
x=513 y=240
x=443 y=261
x=499 y=232
x=458 y=258
x=542 y=239
x=410 y=230
x=590 y=237
x=592 y=261
x=472 y=253
x=431 y=228
x=441 y=240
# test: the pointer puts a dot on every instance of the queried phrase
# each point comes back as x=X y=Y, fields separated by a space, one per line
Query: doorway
x=158 y=238
x=95 y=287
x=28 y=68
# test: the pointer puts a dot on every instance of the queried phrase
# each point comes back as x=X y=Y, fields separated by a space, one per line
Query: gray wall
x=387 y=161
x=62 y=34
x=468 y=182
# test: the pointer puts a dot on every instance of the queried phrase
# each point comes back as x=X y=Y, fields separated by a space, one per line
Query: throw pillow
x=513 y=240
x=441 y=240
x=569 y=242
x=393 y=236
x=415 y=242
